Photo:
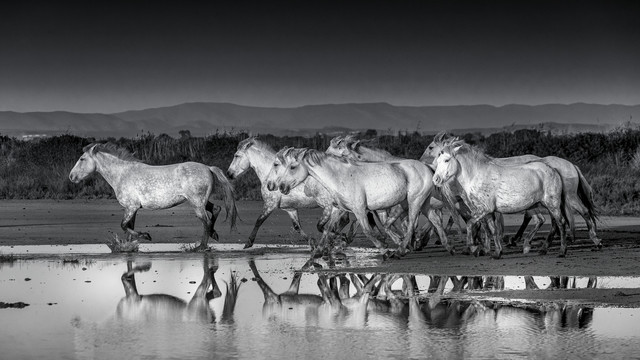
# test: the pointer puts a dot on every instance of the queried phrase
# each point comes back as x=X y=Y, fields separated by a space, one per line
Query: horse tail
x=229 y=195
x=565 y=208
x=585 y=194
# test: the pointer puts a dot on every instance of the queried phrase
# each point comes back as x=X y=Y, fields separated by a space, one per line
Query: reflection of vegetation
x=39 y=169
x=9 y=258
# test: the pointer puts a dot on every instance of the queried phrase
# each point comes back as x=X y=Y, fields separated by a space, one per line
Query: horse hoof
x=247 y=246
x=144 y=236
x=526 y=249
x=387 y=255
x=497 y=256
x=215 y=236
x=561 y=255
x=466 y=251
x=452 y=251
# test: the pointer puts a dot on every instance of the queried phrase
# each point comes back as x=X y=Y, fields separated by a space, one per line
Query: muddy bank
x=45 y=222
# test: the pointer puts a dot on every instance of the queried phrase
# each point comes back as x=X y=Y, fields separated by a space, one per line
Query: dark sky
x=109 y=57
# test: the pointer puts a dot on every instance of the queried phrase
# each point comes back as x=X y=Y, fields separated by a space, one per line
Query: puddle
x=78 y=308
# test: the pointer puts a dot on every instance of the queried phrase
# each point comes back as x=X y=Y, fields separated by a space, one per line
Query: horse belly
x=385 y=193
x=517 y=196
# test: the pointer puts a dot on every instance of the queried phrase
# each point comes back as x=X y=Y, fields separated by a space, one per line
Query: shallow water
x=74 y=302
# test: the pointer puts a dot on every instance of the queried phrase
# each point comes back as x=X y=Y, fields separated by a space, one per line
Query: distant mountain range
x=207 y=118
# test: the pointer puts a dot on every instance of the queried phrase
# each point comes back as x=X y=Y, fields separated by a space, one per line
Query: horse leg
x=294 y=288
x=327 y=234
x=266 y=211
x=525 y=222
x=201 y=213
x=293 y=214
x=361 y=217
x=591 y=225
x=128 y=222
x=497 y=239
x=269 y=295
x=435 y=217
x=415 y=206
x=526 y=246
x=557 y=221
x=215 y=211
x=471 y=233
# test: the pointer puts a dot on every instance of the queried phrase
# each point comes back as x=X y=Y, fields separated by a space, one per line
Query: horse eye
x=447 y=160
x=293 y=167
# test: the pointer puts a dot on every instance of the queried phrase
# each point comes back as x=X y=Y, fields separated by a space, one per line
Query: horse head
x=241 y=162
x=446 y=166
x=336 y=146
x=288 y=170
x=85 y=166
x=434 y=148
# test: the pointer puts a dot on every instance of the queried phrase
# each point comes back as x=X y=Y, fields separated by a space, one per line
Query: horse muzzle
x=271 y=186
x=230 y=175
x=437 y=180
x=285 y=189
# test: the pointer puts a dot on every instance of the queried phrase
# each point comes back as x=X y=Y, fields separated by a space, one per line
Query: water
x=76 y=311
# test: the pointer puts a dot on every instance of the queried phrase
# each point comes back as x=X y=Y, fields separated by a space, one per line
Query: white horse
x=360 y=187
x=488 y=187
x=578 y=192
x=350 y=147
x=138 y=185
x=255 y=154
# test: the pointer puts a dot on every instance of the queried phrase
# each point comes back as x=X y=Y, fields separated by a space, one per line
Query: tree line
x=38 y=169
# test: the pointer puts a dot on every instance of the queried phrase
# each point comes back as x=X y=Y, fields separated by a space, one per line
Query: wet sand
x=42 y=222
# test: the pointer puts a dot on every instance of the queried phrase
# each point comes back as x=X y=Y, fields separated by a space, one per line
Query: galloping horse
x=578 y=192
x=359 y=187
x=260 y=156
x=488 y=187
x=138 y=185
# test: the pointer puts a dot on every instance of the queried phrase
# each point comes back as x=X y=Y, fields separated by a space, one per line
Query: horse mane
x=253 y=141
x=336 y=141
x=355 y=144
x=473 y=152
x=311 y=156
x=113 y=149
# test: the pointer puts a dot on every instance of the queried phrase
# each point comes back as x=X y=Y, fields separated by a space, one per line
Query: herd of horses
x=385 y=193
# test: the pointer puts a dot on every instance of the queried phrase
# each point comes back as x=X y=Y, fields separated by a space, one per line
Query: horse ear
x=439 y=136
x=91 y=148
x=457 y=148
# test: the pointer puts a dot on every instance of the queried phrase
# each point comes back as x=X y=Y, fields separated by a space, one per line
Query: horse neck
x=468 y=168
x=328 y=173
x=112 y=168
x=261 y=161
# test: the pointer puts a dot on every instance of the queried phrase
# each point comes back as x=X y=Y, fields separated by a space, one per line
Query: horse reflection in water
x=158 y=325
x=167 y=307
x=332 y=307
